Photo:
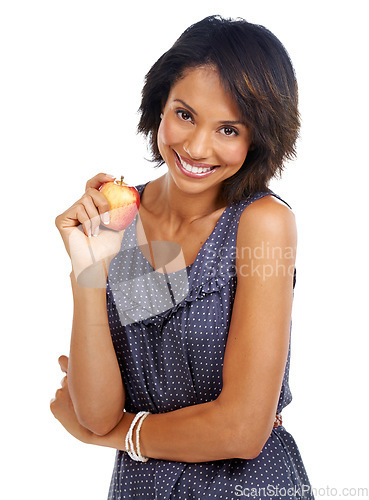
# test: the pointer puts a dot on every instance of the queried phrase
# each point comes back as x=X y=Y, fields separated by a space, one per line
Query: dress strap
x=277 y=196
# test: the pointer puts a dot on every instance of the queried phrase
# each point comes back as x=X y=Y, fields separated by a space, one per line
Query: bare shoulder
x=270 y=218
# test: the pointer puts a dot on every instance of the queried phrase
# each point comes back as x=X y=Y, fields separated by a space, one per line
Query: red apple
x=124 y=202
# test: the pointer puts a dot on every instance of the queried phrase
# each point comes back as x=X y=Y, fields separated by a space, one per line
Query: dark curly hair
x=256 y=70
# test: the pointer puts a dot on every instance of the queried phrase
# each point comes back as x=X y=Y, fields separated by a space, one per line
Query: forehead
x=202 y=89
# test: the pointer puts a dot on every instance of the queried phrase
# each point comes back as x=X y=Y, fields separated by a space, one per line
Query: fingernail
x=112 y=176
x=105 y=217
x=96 y=231
x=89 y=232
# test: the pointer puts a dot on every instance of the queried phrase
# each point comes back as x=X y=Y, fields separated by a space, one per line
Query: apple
x=124 y=201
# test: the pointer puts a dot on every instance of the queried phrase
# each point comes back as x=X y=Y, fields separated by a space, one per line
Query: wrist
x=80 y=291
x=92 y=277
x=132 y=439
x=116 y=437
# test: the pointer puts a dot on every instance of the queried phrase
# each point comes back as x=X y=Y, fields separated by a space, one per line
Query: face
x=202 y=137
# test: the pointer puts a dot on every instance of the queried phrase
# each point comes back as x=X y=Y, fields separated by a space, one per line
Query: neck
x=176 y=208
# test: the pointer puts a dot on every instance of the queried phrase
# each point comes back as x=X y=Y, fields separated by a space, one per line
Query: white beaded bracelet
x=129 y=441
x=142 y=459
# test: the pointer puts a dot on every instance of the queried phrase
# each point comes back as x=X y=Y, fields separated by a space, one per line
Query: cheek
x=234 y=154
x=169 y=133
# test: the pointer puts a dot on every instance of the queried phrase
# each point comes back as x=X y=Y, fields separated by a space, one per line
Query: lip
x=193 y=164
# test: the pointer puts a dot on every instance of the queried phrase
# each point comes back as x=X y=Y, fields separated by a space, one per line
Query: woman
x=194 y=344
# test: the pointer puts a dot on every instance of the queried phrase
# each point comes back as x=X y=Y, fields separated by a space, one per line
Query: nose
x=198 y=145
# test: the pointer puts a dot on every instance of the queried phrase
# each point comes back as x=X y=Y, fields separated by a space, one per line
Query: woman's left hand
x=62 y=408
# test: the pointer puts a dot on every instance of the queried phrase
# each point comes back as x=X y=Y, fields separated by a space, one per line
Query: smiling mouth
x=199 y=168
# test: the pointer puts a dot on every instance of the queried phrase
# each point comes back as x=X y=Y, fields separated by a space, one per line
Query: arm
x=258 y=340
x=94 y=377
x=238 y=423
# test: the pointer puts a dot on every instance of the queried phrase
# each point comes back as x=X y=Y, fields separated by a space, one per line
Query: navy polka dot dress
x=169 y=332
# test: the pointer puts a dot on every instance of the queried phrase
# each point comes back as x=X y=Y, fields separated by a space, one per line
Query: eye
x=184 y=115
x=229 y=131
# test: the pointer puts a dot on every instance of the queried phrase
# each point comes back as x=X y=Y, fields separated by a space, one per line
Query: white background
x=71 y=75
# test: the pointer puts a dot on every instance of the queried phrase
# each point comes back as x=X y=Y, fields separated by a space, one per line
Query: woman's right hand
x=89 y=246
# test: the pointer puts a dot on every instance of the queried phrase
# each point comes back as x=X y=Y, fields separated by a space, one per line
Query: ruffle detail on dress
x=214 y=284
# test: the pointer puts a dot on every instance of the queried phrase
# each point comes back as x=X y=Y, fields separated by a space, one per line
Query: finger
x=92 y=211
x=98 y=181
x=58 y=394
x=101 y=203
x=55 y=400
x=82 y=216
x=63 y=362
x=64 y=382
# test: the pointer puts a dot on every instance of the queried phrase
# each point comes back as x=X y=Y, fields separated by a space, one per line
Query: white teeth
x=195 y=170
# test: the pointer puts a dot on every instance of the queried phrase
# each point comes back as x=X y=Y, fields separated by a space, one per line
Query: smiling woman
x=185 y=368
x=195 y=138
x=255 y=71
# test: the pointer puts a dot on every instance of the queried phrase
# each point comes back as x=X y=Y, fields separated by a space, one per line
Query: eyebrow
x=228 y=122
x=186 y=105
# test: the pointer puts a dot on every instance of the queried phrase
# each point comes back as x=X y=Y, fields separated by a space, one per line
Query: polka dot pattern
x=169 y=332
